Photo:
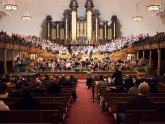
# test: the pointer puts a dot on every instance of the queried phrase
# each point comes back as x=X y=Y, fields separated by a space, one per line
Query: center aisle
x=84 y=111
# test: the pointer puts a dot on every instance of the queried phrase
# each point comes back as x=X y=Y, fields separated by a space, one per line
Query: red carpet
x=83 y=111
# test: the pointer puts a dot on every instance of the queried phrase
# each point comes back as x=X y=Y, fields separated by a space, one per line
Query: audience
x=3 y=90
x=128 y=82
x=140 y=101
x=17 y=91
x=137 y=102
x=27 y=102
x=54 y=87
x=134 y=89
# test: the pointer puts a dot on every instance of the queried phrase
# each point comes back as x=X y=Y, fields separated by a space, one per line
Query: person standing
x=89 y=80
x=118 y=80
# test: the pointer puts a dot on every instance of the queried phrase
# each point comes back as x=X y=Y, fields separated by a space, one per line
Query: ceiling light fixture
x=153 y=6
x=11 y=6
x=137 y=17
x=26 y=16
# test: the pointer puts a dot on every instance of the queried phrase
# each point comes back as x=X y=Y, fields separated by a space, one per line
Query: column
x=105 y=30
x=96 y=29
x=143 y=54
x=20 y=55
x=137 y=54
x=48 y=30
x=66 y=28
x=114 y=27
x=57 y=29
x=4 y=61
x=159 y=61
x=89 y=14
x=66 y=16
x=73 y=6
x=13 y=62
x=150 y=60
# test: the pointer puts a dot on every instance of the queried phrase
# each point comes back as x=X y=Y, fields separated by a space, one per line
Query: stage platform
x=24 y=74
x=82 y=75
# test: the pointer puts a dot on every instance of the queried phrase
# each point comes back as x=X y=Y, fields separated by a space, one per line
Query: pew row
x=137 y=116
x=30 y=116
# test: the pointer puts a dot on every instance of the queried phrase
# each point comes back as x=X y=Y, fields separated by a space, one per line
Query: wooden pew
x=112 y=103
x=152 y=122
x=60 y=106
x=43 y=100
x=121 y=106
x=137 y=116
x=29 y=116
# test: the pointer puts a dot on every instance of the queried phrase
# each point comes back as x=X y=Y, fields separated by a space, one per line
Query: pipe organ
x=84 y=30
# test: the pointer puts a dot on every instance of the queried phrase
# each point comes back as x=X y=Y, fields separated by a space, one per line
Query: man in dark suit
x=118 y=77
x=27 y=102
x=118 y=80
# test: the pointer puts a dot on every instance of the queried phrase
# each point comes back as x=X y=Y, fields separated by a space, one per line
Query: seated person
x=154 y=83
x=38 y=87
x=67 y=82
x=17 y=91
x=128 y=82
x=54 y=87
x=134 y=89
x=3 y=106
x=3 y=90
x=27 y=102
x=138 y=102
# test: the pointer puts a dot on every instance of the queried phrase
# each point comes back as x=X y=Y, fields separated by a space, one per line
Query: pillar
x=137 y=54
x=4 y=61
x=143 y=54
x=73 y=6
x=20 y=55
x=159 y=61
x=150 y=61
x=48 y=29
x=13 y=62
x=89 y=14
x=105 y=30
x=96 y=27
x=114 y=26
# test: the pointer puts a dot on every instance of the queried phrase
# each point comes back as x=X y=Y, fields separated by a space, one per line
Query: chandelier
x=137 y=17
x=2 y=9
x=153 y=6
x=26 y=16
x=11 y=5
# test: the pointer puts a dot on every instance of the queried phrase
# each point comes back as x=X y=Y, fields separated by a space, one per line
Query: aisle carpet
x=83 y=111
